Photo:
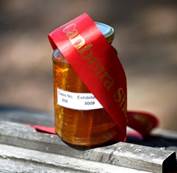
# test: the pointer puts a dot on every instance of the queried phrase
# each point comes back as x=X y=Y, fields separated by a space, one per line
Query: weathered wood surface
x=14 y=159
x=37 y=144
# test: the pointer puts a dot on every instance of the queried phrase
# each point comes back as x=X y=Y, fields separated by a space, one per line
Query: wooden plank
x=120 y=154
x=14 y=159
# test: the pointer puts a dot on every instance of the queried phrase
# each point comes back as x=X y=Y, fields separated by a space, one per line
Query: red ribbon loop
x=97 y=65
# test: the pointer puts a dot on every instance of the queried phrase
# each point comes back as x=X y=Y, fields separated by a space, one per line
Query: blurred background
x=146 y=39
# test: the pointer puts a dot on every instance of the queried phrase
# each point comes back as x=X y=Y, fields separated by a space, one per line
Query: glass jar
x=75 y=126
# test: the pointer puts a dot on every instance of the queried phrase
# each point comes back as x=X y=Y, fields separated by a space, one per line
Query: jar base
x=82 y=146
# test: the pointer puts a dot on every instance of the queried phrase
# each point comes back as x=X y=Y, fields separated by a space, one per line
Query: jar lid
x=106 y=30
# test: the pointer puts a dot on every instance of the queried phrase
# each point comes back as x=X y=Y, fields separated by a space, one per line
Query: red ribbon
x=98 y=66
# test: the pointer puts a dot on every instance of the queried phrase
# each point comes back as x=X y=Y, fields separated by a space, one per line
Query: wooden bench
x=22 y=149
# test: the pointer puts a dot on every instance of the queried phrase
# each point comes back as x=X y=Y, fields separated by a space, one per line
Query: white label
x=77 y=101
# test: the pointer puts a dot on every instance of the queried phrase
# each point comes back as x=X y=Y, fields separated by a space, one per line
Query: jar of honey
x=80 y=120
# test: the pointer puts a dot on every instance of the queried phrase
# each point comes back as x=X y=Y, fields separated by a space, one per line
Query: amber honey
x=85 y=128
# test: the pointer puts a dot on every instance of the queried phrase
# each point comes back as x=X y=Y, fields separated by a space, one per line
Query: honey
x=75 y=123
